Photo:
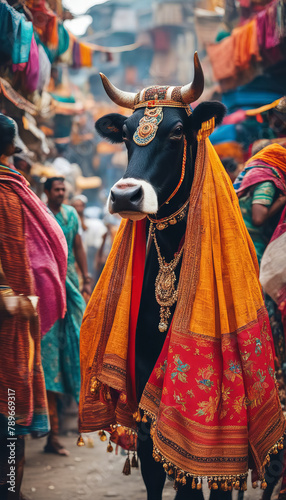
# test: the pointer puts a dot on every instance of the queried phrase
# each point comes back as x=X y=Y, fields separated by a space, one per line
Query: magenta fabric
x=272 y=31
x=262 y=174
x=280 y=229
x=47 y=250
x=76 y=55
x=261 y=28
x=236 y=117
x=19 y=67
x=33 y=67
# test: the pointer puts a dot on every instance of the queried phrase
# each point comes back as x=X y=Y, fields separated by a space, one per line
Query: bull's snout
x=124 y=198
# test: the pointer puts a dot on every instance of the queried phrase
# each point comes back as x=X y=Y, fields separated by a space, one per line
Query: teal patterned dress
x=60 y=346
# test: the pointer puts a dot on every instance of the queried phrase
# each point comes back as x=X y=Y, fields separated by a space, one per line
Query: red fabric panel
x=139 y=254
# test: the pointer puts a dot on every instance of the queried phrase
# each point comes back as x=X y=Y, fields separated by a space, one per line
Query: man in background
x=93 y=231
x=60 y=346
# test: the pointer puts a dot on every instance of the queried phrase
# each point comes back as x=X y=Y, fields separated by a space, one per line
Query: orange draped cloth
x=212 y=396
x=274 y=155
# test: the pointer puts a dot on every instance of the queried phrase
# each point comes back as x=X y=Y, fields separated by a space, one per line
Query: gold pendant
x=166 y=294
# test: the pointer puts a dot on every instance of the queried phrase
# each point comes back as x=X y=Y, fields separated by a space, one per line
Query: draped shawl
x=46 y=248
x=269 y=164
x=211 y=396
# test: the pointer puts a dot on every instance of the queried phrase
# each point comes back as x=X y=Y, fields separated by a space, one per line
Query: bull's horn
x=192 y=91
x=124 y=99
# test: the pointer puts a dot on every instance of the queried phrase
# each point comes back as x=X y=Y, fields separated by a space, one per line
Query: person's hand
x=86 y=288
x=282 y=199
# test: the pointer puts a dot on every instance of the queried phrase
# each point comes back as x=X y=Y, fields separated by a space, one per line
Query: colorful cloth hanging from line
x=257 y=42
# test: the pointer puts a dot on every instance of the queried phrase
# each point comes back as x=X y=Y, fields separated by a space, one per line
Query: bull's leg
x=152 y=472
x=187 y=493
x=220 y=495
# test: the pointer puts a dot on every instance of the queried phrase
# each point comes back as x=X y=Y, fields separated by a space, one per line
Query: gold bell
x=109 y=448
x=215 y=486
x=193 y=484
x=144 y=418
x=263 y=485
x=237 y=485
x=280 y=445
x=103 y=436
x=199 y=486
x=80 y=441
x=254 y=484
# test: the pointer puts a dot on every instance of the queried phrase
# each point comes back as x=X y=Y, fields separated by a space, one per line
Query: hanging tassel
x=199 y=485
x=134 y=461
x=193 y=484
x=80 y=441
x=127 y=468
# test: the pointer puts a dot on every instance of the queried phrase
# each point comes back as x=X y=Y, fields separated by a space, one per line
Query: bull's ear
x=205 y=111
x=110 y=127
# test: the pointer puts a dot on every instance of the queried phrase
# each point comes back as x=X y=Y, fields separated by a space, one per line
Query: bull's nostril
x=112 y=197
x=136 y=196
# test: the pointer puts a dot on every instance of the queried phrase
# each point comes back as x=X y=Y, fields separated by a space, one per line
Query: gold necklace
x=165 y=292
x=171 y=219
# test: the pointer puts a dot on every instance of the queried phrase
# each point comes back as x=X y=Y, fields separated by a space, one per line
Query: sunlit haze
x=78 y=7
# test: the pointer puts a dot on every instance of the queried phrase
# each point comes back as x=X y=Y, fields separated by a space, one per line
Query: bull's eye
x=125 y=133
x=177 y=132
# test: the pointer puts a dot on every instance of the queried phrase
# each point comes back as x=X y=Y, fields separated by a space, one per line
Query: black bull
x=152 y=174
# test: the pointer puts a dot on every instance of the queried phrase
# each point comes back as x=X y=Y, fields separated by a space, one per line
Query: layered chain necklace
x=165 y=285
x=171 y=219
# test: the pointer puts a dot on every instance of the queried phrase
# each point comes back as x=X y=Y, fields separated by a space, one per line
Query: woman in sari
x=261 y=189
x=33 y=258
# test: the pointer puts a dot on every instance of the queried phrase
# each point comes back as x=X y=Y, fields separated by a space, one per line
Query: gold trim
x=168 y=104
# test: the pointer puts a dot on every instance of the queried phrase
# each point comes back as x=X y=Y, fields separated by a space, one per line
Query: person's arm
x=263 y=207
x=80 y=257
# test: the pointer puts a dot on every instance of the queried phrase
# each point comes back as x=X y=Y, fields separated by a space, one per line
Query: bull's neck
x=170 y=237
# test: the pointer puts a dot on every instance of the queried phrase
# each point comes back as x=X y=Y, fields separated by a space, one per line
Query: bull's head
x=160 y=136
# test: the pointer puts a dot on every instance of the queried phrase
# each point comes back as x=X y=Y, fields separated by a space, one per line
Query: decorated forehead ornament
x=148 y=126
x=154 y=98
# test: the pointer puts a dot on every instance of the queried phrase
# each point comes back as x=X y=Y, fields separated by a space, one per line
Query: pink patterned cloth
x=33 y=67
x=47 y=250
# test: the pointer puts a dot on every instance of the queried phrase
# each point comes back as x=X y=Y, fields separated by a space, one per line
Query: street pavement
x=88 y=474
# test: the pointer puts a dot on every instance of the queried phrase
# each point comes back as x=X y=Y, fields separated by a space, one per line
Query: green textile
x=264 y=194
x=15 y=35
x=60 y=346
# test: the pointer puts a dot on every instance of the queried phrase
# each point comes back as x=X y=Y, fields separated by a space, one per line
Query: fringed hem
x=180 y=477
x=215 y=482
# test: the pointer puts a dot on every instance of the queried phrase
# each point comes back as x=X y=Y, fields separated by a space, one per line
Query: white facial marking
x=149 y=203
